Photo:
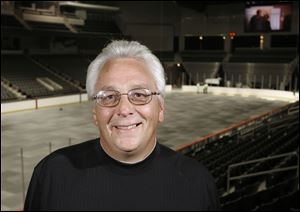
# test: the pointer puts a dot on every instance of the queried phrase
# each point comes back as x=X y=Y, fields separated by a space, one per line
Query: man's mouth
x=127 y=127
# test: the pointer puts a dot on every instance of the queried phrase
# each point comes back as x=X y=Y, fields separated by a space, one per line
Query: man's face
x=127 y=127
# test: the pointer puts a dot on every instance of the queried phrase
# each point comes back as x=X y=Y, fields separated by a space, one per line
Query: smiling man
x=127 y=123
x=126 y=168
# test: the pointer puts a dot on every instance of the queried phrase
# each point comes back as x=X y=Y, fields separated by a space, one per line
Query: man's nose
x=125 y=107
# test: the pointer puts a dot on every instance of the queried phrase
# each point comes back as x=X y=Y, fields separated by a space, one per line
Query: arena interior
x=232 y=88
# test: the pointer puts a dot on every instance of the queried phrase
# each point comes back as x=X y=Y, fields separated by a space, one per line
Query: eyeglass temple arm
x=155 y=93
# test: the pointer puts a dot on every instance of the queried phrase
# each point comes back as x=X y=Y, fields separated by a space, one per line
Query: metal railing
x=230 y=167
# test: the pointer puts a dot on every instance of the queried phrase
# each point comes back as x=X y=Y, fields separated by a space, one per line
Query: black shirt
x=83 y=177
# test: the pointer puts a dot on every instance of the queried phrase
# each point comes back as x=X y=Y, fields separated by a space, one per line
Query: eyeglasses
x=111 y=98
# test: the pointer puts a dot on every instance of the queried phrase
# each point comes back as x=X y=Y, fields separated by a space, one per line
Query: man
x=257 y=22
x=126 y=169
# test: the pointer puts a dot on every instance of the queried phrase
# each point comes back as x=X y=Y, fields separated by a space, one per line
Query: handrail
x=261 y=172
x=260 y=159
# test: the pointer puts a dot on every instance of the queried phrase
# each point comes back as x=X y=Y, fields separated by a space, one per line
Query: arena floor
x=188 y=116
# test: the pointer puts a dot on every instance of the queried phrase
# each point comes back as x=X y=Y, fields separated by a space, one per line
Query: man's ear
x=161 y=115
x=95 y=116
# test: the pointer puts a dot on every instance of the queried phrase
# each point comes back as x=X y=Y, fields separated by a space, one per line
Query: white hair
x=125 y=49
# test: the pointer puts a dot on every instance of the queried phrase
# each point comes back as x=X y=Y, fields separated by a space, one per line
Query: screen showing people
x=268 y=18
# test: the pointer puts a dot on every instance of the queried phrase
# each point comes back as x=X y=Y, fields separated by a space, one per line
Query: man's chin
x=127 y=145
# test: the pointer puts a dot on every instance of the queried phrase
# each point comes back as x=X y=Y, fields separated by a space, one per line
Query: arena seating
x=6 y=95
x=203 y=56
x=9 y=21
x=104 y=23
x=200 y=65
x=23 y=73
x=277 y=136
x=72 y=66
x=196 y=67
x=47 y=26
x=256 y=55
x=201 y=71
x=256 y=68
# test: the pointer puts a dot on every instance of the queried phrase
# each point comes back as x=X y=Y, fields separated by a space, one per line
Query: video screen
x=268 y=18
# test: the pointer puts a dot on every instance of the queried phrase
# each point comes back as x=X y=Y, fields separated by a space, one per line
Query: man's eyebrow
x=142 y=85
x=108 y=88
x=134 y=86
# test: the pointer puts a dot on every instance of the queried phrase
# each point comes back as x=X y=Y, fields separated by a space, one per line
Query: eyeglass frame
x=120 y=94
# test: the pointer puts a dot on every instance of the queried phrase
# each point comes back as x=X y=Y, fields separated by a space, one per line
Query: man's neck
x=129 y=158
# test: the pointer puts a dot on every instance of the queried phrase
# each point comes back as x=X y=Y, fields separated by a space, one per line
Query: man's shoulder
x=182 y=159
x=74 y=155
x=187 y=166
x=196 y=175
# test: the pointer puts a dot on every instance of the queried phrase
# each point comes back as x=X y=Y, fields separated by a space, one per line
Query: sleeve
x=33 y=196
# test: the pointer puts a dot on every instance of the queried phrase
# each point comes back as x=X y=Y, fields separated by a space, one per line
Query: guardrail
x=230 y=167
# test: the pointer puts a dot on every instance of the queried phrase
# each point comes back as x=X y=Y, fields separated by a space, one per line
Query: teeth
x=131 y=126
x=127 y=127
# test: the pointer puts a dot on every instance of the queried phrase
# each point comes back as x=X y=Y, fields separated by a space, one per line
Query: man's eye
x=110 y=96
x=139 y=95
